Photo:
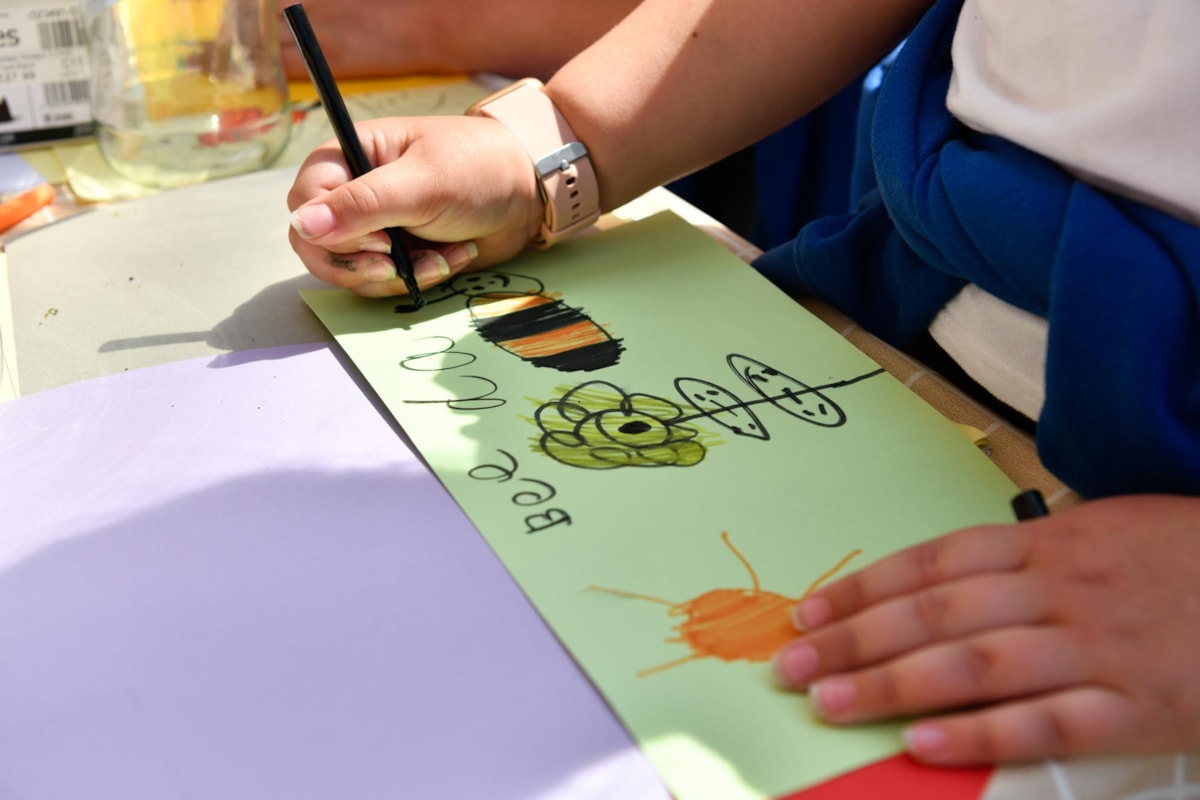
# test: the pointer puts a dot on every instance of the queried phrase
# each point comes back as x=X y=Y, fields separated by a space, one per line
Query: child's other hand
x=1073 y=634
x=464 y=185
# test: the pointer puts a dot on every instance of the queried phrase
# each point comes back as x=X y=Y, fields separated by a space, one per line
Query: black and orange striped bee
x=515 y=313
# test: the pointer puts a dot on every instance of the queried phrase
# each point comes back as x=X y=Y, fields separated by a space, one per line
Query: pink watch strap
x=561 y=161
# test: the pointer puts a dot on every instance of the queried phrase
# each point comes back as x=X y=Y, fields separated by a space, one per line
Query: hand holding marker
x=343 y=126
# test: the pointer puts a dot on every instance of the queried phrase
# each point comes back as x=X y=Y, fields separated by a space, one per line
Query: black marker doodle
x=481 y=402
x=514 y=313
x=597 y=425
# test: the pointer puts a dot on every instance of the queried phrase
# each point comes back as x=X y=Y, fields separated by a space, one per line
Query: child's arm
x=369 y=39
x=679 y=84
x=673 y=87
x=1074 y=634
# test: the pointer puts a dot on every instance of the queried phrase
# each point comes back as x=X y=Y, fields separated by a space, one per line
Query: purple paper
x=231 y=578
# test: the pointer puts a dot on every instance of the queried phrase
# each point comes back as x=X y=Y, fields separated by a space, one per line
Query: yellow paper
x=712 y=449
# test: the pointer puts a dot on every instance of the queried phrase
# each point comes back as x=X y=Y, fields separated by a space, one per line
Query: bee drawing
x=515 y=313
x=731 y=624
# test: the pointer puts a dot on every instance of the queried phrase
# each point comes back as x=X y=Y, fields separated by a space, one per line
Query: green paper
x=863 y=464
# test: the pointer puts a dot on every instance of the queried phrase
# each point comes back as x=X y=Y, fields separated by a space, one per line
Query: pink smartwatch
x=564 y=170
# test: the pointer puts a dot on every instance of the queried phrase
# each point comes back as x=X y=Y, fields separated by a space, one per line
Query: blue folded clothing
x=1118 y=281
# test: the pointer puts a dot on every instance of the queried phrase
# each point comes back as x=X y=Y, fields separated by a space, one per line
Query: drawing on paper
x=515 y=313
x=598 y=425
x=731 y=624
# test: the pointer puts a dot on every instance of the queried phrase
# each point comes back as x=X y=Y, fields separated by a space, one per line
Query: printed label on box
x=44 y=89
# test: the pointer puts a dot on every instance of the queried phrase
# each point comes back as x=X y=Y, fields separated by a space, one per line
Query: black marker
x=343 y=126
x=1029 y=505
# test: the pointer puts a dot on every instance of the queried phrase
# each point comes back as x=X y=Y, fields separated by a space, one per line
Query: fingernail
x=832 y=697
x=925 y=741
x=460 y=255
x=372 y=245
x=795 y=665
x=313 y=221
x=431 y=267
x=378 y=271
x=810 y=614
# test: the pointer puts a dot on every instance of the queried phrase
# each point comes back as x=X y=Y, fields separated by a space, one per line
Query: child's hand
x=464 y=185
x=1074 y=634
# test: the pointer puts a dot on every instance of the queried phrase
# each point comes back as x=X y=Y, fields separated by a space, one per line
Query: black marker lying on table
x=1029 y=505
x=343 y=126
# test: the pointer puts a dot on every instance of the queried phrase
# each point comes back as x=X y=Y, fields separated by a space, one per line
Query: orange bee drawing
x=515 y=313
x=732 y=624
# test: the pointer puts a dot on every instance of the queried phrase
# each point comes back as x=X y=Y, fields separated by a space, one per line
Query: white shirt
x=1108 y=89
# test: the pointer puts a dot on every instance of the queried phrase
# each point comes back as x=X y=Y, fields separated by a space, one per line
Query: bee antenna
x=830 y=573
x=742 y=558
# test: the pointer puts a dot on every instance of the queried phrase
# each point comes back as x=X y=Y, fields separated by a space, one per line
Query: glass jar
x=184 y=91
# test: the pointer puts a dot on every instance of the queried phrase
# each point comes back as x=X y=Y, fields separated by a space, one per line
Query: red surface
x=901 y=778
